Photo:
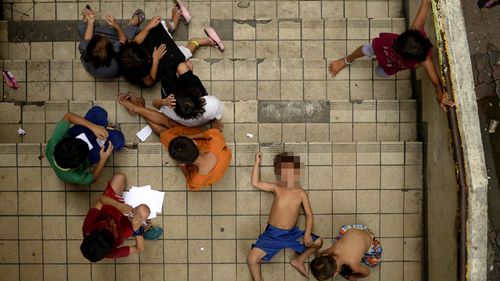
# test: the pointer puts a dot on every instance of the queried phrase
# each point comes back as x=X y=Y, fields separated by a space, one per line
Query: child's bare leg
x=298 y=261
x=254 y=258
x=118 y=182
x=336 y=66
x=176 y=15
x=194 y=43
x=148 y=114
x=157 y=129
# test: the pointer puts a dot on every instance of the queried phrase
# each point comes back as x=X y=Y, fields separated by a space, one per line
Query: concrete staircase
x=356 y=134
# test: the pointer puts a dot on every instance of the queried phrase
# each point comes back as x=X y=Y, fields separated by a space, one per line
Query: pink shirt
x=388 y=58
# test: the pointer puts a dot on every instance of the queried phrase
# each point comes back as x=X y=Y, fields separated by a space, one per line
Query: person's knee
x=117 y=139
x=253 y=258
x=182 y=68
x=118 y=181
x=318 y=243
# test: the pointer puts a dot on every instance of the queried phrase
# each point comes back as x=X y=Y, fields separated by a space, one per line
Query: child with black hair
x=410 y=50
x=70 y=156
x=188 y=108
x=99 y=45
x=355 y=244
x=203 y=156
x=111 y=221
x=153 y=55
x=281 y=231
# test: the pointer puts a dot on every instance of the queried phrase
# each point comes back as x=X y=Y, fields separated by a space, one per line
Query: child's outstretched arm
x=112 y=22
x=256 y=182
x=442 y=97
x=419 y=21
x=309 y=220
x=89 y=32
x=139 y=38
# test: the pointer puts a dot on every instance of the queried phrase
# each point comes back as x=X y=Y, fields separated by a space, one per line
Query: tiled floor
x=355 y=133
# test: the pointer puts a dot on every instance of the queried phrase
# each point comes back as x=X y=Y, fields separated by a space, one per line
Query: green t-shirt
x=78 y=175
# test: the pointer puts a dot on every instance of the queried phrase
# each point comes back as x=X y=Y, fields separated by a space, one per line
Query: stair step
x=340 y=153
x=343 y=120
x=228 y=79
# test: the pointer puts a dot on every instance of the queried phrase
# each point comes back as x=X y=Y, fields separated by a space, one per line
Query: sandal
x=214 y=38
x=140 y=16
x=184 y=11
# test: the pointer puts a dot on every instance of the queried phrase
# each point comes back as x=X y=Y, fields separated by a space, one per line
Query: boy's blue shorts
x=276 y=239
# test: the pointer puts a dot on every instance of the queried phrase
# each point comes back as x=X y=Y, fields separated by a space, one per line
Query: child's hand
x=159 y=52
x=443 y=100
x=100 y=132
x=258 y=157
x=153 y=22
x=90 y=16
x=307 y=240
x=104 y=154
x=170 y=101
x=125 y=208
x=111 y=20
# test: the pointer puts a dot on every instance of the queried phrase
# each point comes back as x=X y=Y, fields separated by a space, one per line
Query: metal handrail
x=458 y=154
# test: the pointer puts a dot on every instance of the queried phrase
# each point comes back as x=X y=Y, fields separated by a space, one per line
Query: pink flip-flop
x=214 y=38
x=184 y=11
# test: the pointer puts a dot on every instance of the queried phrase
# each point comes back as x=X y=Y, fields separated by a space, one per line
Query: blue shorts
x=98 y=116
x=276 y=239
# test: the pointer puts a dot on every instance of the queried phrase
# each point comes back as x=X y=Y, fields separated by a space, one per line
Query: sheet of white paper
x=100 y=142
x=144 y=133
x=145 y=195
x=84 y=138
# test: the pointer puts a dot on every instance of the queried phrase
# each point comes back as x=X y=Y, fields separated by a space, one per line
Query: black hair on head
x=412 y=44
x=100 y=51
x=71 y=152
x=189 y=103
x=134 y=62
x=97 y=245
x=183 y=150
x=323 y=267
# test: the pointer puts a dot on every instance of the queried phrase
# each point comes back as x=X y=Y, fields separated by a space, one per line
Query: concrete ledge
x=468 y=121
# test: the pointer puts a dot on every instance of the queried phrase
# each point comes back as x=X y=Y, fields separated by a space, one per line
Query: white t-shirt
x=213 y=110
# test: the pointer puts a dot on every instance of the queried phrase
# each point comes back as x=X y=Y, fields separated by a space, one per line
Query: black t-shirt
x=186 y=81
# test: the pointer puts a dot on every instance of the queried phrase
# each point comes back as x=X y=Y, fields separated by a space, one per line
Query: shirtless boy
x=281 y=231
x=355 y=244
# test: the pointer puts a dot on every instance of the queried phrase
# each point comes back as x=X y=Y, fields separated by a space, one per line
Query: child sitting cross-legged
x=111 y=221
x=281 y=231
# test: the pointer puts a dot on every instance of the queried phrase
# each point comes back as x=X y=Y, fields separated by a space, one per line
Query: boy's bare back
x=286 y=206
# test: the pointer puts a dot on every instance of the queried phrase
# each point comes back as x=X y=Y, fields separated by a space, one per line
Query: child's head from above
x=287 y=168
x=97 y=244
x=141 y=213
x=411 y=44
x=183 y=150
x=101 y=51
x=134 y=60
x=325 y=267
x=189 y=103
x=70 y=153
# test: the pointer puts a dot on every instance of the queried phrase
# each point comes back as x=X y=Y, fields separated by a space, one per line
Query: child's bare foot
x=123 y=100
x=138 y=101
x=336 y=66
x=299 y=265
x=137 y=18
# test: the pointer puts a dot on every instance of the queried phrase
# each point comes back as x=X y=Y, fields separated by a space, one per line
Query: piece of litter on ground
x=21 y=131
x=144 y=133
x=249 y=135
x=202 y=249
